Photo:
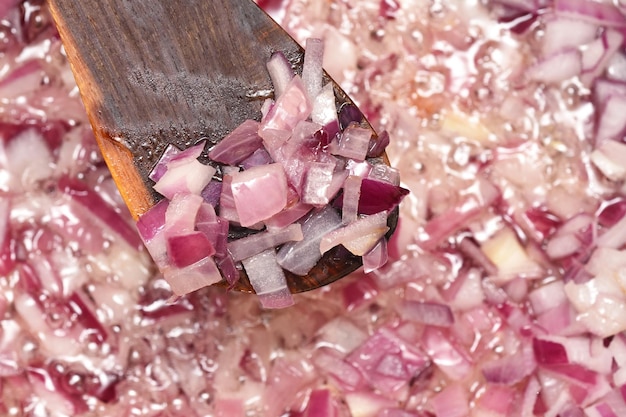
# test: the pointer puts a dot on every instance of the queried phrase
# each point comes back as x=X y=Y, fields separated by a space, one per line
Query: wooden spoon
x=155 y=72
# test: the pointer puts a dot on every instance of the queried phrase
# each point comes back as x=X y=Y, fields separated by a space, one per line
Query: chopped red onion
x=351 y=195
x=353 y=143
x=317 y=181
x=238 y=145
x=359 y=237
x=604 y=14
x=558 y=67
x=268 y=280
x=280 y=72
x=377 y=257
x=433 y=314
x=249 y=246
x=312 y=68
x=300 y=257
x=161 y=167
x=189 y=177
x=188 y=248
x=259 y=193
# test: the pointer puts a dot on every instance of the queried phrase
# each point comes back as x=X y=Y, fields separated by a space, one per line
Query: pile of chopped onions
x=503 y=288
x=282 y=178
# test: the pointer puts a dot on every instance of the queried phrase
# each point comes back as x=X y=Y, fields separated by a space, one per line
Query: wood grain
x=159 y=72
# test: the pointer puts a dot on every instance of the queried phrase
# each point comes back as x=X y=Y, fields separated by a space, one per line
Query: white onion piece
x=359 y=237
x=180 y=216
x=558 y=67
x=612 y=121
x=324 y=110
x=616 y=69
x=564 y=33
x=317 y=181
x=280 y=72
x=292 y=107
x=259 y=193
x=385 y=173
x=614 y=237
x=249 y=246
x=161 y=167
x=596 y=62
x=377 y=257
x=429 y=313
x=300 y=257
x=190 y=177
x=27 y=160
x=268 y=280
x=351 y=195
x=312 y=68
x=610 y=157
x=353 y=143
x=193 y=277
x=342 y=335
x=509 y=256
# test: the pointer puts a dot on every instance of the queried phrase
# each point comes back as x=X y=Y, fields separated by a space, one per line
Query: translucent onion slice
x=238 y=145
x=359 y=237
x=268 y=280
x=300 y=257
x=259 y=193
x=249 y=246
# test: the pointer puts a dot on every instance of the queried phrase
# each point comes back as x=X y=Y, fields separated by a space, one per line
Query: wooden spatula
x=159 y=72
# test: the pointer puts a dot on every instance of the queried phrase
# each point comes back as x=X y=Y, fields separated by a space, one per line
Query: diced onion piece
x=249 y=246
x=605 y=14
x=161 y=166
x=324 y=110
x=558 y=67
x=377 y=257
x=280 y=72
x=193 y=277
x=190 y=177
x=451 y=402
x=300 y=257
x=188 y=248
x=312 y=68
x=614 y=237
x=227 y=208
x=320 y=404
x=610 y=155
x=564 y=33
x=597 y=55
x=238 y=144
x=317 y=181
x=350 y=199
x=358 y=237
x=384 y=173
x=268 y=280
x=180 y=216
x=509 y=256
x=376 y=196
x=259 y=193
x=292 y=107
x=288 y=216
x=341 y=334
x=353 y=143
x=433 y=314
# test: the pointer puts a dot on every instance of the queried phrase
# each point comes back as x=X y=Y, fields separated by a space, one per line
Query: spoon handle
x=157 y=72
